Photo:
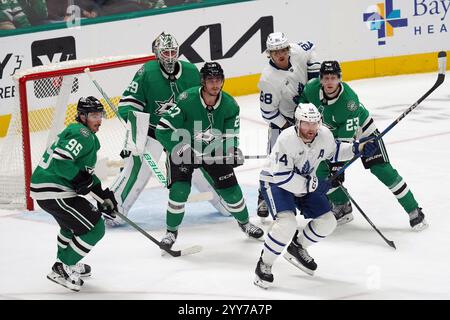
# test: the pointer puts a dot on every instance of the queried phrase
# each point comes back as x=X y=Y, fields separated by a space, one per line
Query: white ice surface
x=353 y=263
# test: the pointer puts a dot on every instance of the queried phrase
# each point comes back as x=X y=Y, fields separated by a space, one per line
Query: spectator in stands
x=35 y=11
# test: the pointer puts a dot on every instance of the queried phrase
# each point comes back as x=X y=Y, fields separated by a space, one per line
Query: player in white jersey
x=289 y=182
x=291 y=66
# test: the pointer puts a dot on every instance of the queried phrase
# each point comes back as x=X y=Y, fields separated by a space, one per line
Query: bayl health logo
x=383 y=18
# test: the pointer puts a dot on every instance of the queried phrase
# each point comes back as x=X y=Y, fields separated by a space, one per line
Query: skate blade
x=345 y=219
x=261 y=283
x=294 y=262
x=262 y=238
x=56 y=278
x=85 y=275
x=420 y=226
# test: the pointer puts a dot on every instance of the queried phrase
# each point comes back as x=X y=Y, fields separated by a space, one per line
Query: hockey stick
x=442 y=62
x=173 y=253
x=389 y=242
x=229 y=157
x=204 y=196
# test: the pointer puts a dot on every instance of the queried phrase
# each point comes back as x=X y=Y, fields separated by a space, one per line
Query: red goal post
x=45 y=103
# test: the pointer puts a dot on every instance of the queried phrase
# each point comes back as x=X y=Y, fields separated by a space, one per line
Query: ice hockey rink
x=353 y=263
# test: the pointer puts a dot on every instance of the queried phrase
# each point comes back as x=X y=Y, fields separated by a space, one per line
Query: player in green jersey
x=153 y=91
x=65 y=172
x=348 y=119
x=203 y=123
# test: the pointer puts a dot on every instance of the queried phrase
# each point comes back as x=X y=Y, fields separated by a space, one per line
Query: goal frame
x=61 y=69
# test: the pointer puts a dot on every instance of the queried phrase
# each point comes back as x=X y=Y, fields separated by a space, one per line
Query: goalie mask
x=166 y=49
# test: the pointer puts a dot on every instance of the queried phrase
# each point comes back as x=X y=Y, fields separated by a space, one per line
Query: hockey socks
x=71 y=252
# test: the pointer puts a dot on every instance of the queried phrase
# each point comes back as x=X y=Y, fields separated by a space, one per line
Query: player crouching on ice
x=290 y=182
x=65 y=172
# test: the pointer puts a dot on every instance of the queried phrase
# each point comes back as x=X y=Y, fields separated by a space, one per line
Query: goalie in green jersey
x=348 y=119
x=65 y=172
x=195 y=131
x=151 y=93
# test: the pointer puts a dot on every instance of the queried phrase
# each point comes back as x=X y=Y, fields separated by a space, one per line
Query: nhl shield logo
x=85 y=132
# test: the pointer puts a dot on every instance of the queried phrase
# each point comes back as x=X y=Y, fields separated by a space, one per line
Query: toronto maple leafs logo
x=306 y=169
x=164 y=106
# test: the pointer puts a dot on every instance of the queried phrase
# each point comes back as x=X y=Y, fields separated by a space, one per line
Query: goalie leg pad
x=203 y=183
x=137 y=127
x=134 y=177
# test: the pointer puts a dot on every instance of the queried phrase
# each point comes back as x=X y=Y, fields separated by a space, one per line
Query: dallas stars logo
x=164 y=106
x=207 y=136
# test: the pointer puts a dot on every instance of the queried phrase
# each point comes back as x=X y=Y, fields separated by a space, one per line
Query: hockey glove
x=366 y=146
x=235 y=157
x=83 y=182
x=335 y=167
x=314 y=184
x=109 y=206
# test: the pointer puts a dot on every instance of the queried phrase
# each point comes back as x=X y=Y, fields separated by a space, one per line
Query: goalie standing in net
x=65 y=172
x=153 y=91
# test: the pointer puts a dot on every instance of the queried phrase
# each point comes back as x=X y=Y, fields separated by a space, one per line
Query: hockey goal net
x=45 y=104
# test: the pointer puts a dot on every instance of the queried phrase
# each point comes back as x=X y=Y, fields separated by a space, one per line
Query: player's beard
x=308 y=135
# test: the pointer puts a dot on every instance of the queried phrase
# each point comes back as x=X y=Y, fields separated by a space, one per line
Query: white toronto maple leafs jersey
x=278 y=87
x=292 y=161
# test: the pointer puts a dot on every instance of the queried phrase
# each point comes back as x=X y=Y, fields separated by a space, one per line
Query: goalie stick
x=203 y=196
x=442 y=62
x=173 y=253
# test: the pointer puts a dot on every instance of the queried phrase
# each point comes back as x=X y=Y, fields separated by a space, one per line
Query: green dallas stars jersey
x=75 y=149
x=207 y=129
x=343 y=115
x=151 y=91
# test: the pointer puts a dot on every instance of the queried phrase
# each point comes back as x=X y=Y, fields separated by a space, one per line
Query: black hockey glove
x=335 y=167
x=235 y=157
x=83 y=182
x=109 y=206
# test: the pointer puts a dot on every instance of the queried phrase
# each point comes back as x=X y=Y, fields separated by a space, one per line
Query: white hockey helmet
x=306 y=112
x=276 y=41
x=166 y=49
